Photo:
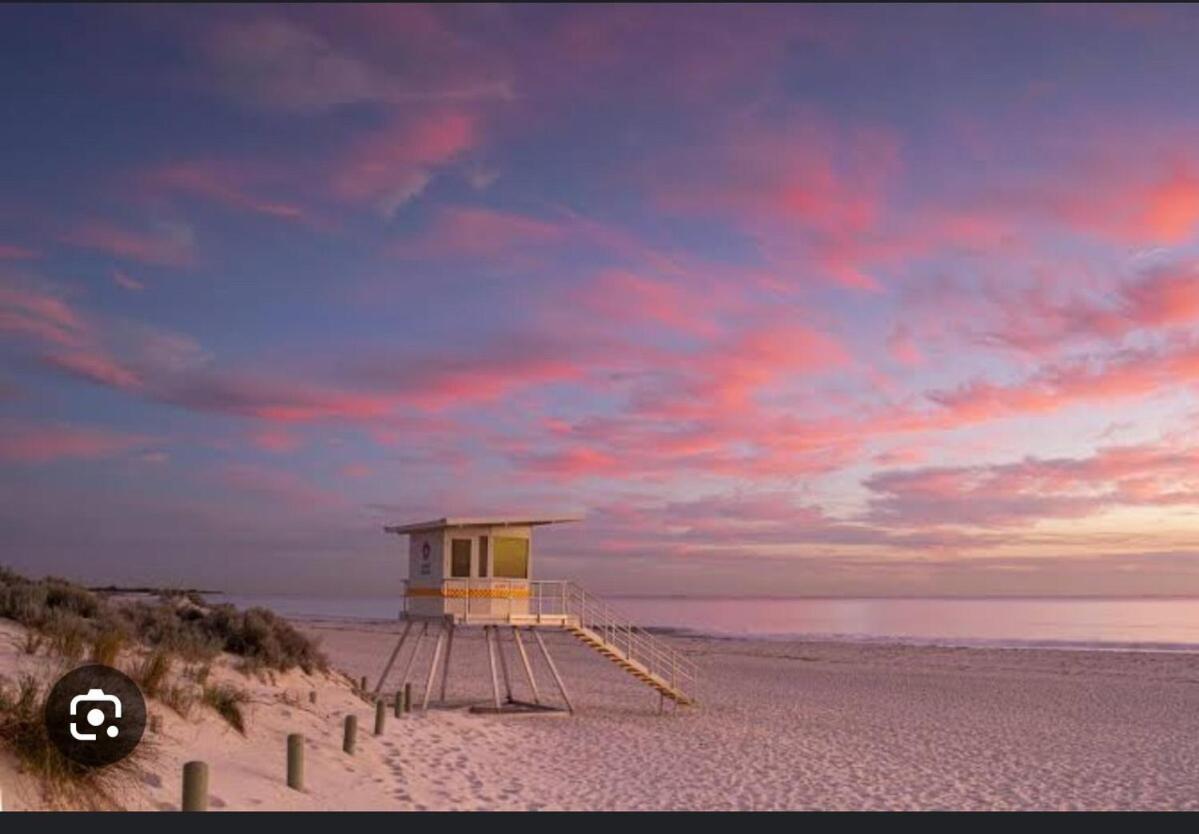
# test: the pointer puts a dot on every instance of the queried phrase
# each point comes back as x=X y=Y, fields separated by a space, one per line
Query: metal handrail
x=618 y=631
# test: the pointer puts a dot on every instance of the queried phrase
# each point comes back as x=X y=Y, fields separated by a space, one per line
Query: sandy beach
x=795 y=725
x=780 y=725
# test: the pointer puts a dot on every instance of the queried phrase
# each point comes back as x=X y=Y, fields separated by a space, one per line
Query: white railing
x=619 y=632
x=560 y=602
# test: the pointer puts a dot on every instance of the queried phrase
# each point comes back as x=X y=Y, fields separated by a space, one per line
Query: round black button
x=95 y=715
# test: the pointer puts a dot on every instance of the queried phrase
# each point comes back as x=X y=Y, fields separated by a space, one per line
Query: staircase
x=646 y=657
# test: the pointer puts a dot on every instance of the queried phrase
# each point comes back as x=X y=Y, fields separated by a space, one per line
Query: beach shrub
x=67 y=633
x=152 y=672
x=106 y=647
x=174 y=596
x=177 y=630
x=33 y=642
x=198 y=673
x=179 y=697
x=73 y=619
x=227 y=701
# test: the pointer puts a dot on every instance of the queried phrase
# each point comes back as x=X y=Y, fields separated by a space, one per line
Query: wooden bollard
x=362 y=688
x=380 y=716
x=351 y=736
x=407 y=697
x=195 y=786
x=312 y=697
x=399 y=704
x=295 y=762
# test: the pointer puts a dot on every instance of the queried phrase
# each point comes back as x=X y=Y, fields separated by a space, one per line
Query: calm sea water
x=1092 y=623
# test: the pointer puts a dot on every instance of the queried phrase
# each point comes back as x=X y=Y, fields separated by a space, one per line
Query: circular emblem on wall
x=425 y=551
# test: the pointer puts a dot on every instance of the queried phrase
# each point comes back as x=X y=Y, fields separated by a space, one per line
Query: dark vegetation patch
x=75 y=622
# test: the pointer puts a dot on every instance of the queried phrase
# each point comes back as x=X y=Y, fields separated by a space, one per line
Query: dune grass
x=227 y=701
x=66 y=783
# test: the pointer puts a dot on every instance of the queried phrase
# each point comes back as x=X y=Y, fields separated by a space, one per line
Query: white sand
x=823 y=725
x=781 y=725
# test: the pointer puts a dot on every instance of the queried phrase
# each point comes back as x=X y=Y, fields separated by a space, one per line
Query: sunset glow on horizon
x=799 y=300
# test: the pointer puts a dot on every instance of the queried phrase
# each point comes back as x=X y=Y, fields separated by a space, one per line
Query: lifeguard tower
x=478 y=572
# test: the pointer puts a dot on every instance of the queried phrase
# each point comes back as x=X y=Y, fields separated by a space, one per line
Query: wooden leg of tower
x=524 y=658
x=420 y=635
x=549 y=661
x=499 y=649
x=495 y=683
x=445 y=670
x=433 y=667
x=391 y=660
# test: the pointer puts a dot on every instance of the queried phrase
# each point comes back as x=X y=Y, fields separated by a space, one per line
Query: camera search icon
x=95 y=715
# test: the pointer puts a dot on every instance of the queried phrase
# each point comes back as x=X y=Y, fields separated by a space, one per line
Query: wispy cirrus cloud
x=168 y=244
x=392 y=166
x=126 y=281
x=230 y=184
x=12 y=252
x=278 y=63
x=1034 y=489
x=48 y=442
x=805 y=191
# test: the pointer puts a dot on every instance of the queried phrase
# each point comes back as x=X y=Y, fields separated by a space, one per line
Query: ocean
x=1170 y=624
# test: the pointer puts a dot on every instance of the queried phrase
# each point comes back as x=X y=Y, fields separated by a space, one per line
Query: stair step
x=634 y=667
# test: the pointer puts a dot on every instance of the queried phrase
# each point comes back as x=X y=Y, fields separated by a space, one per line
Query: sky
x=853 y=300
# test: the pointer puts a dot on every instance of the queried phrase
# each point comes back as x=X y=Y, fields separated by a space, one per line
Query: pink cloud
x=167 y=245
x=1166 y=296
x=573 y=462
x=390 y=167
x=273 y=400
x=226 y=183
x=1056 y=386
x=99 y=368
x=40 y=315
x=802 y=191
x=903 y=347
x=274 y=440
x=281 y=62
x=1032 y=489
x=1129 y=189
x=479 y=233
x=48 y=443
x=126 y=281
x=625 y=297
x=9 y=252
x=113 y=354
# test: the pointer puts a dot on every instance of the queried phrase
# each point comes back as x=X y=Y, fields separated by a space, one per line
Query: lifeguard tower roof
x=445 y=523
